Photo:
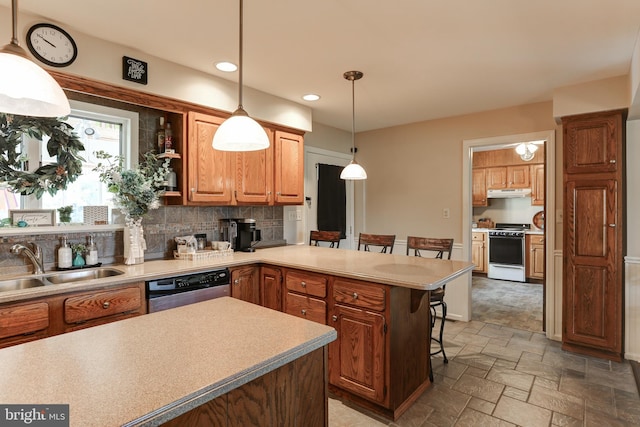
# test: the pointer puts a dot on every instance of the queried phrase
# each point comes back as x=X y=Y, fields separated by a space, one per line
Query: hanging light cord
x=14 y=22
x=353 y=116
x=240 y=38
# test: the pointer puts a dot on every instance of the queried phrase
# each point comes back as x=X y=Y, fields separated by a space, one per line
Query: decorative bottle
x=168 y=138
x=64 y=254
x=161 y=136
x=92 y=252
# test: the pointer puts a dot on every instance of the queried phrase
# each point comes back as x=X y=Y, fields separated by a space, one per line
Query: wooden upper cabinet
x=209 y=170
x=479 y=189
x=537 y=185
x=289 y=168
x=592 y=142
x=508 y=177
x=254 y=175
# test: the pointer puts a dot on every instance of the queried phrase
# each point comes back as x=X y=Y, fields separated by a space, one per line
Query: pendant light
x=25 y=88
x=240 y=132
x=353 y=171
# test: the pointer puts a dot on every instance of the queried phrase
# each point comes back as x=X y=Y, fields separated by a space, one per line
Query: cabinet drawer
x=536 y=239
x=24 y=319
x=359 y=294
x=85 y=307
x=306 y=307
x=307 y=283
x=478 y=237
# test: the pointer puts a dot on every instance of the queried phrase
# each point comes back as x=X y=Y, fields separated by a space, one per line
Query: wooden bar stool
x=385 y=241
x=439 y=246
x=331 y=237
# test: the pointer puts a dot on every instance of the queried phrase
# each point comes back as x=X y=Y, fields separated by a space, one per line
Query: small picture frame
x=134 y=70
x=33 y=217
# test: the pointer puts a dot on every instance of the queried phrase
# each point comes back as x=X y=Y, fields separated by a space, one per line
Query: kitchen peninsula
x=377 y=303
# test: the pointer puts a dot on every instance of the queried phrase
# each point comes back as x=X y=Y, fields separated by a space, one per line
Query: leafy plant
x=136 y=191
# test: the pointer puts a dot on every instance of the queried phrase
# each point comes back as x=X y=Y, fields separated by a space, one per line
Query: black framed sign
x=134 y=70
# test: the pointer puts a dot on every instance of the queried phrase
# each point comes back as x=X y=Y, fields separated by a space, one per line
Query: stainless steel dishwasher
x=166 y=293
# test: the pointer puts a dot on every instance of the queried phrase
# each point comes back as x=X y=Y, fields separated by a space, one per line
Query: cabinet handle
x=303 y=284
x=355 y=295
x=612 y=225
x=236 y=281
x=612 y=161
x=334 y=318
x=106 y=304
x=193 y=190
x=304 y=312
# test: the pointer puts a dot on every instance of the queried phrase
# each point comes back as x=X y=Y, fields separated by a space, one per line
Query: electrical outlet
x=298 y=215
x=446 y=213
x=292 y=216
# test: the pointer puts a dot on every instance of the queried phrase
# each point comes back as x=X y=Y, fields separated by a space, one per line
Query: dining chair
x=384 y=241
x=331 y=237
x=439 y=247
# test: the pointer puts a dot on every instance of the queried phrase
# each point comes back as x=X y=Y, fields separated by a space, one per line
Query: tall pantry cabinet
x=593 y=244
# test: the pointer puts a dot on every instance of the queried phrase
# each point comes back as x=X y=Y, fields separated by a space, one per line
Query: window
x=99 y=128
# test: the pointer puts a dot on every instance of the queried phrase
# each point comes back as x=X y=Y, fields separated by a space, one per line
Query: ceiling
x=421 y=59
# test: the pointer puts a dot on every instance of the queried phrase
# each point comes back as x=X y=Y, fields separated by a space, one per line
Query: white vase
x=134 y=243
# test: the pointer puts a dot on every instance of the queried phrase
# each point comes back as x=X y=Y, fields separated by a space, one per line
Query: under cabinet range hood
x=509 y=193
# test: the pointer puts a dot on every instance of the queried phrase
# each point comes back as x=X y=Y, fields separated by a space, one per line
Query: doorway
x=550 y=308
x=313 y=157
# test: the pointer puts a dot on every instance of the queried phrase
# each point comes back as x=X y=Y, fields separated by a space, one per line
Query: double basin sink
x=57 y=278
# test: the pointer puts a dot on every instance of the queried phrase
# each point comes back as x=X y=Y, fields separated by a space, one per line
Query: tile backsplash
x=160 y=229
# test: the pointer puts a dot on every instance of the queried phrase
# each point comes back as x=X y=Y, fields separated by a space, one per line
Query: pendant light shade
x=526 y=151
x=25 y=88
x=353 y=171
x=240 y=132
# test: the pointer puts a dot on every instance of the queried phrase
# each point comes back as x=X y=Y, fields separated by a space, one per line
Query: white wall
x=102 y=60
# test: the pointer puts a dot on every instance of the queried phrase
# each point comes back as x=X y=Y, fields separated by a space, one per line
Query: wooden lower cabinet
x=43 y=317
x=306 y=295
x=479 y=246
x=271 y=288
x=380 y=360
x=22 y=322
x=292 y=395
x=245 y=283
x=535 y=256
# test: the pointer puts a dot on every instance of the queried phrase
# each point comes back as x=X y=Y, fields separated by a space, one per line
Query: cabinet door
x=289 y=168
x=537 y=185
x=518 y=176
x=592 y=291
x=592 y=142
x=254 y=175
x=357 y=357
x=23 y=322
x=479 y=189
x=209 y=171
x=478 y=248
x=245 y=284
x=271 y=287
x=496 y=178
x=535 y=256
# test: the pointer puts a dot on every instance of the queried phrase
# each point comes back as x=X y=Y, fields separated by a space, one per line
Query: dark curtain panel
x=332 y=200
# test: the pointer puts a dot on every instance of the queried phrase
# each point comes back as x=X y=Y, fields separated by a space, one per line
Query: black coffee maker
x=242 y=234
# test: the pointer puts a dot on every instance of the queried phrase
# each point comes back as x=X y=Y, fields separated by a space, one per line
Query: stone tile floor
x=499 y=375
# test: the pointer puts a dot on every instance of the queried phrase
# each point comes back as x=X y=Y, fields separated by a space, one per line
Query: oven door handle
x=514 y=266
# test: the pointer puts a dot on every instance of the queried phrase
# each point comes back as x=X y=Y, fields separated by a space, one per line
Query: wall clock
x=52 y=45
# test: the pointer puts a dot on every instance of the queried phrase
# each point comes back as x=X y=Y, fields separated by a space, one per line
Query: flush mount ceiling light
x=25 y=88
x=353 y=171
x=526 y=150
x=311 y=97
x=227 y=67
x=240 y=132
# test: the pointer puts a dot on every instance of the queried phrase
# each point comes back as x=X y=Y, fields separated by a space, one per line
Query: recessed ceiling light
x=311 y=97
x=227 y=67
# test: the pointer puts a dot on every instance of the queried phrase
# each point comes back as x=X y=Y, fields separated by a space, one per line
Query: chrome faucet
x=34 y=256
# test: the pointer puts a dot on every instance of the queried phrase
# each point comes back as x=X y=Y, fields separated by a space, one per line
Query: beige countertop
x=152 y=368
x=396 y=270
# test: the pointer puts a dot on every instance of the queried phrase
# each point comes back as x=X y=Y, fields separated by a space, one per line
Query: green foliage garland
x=63 y=144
